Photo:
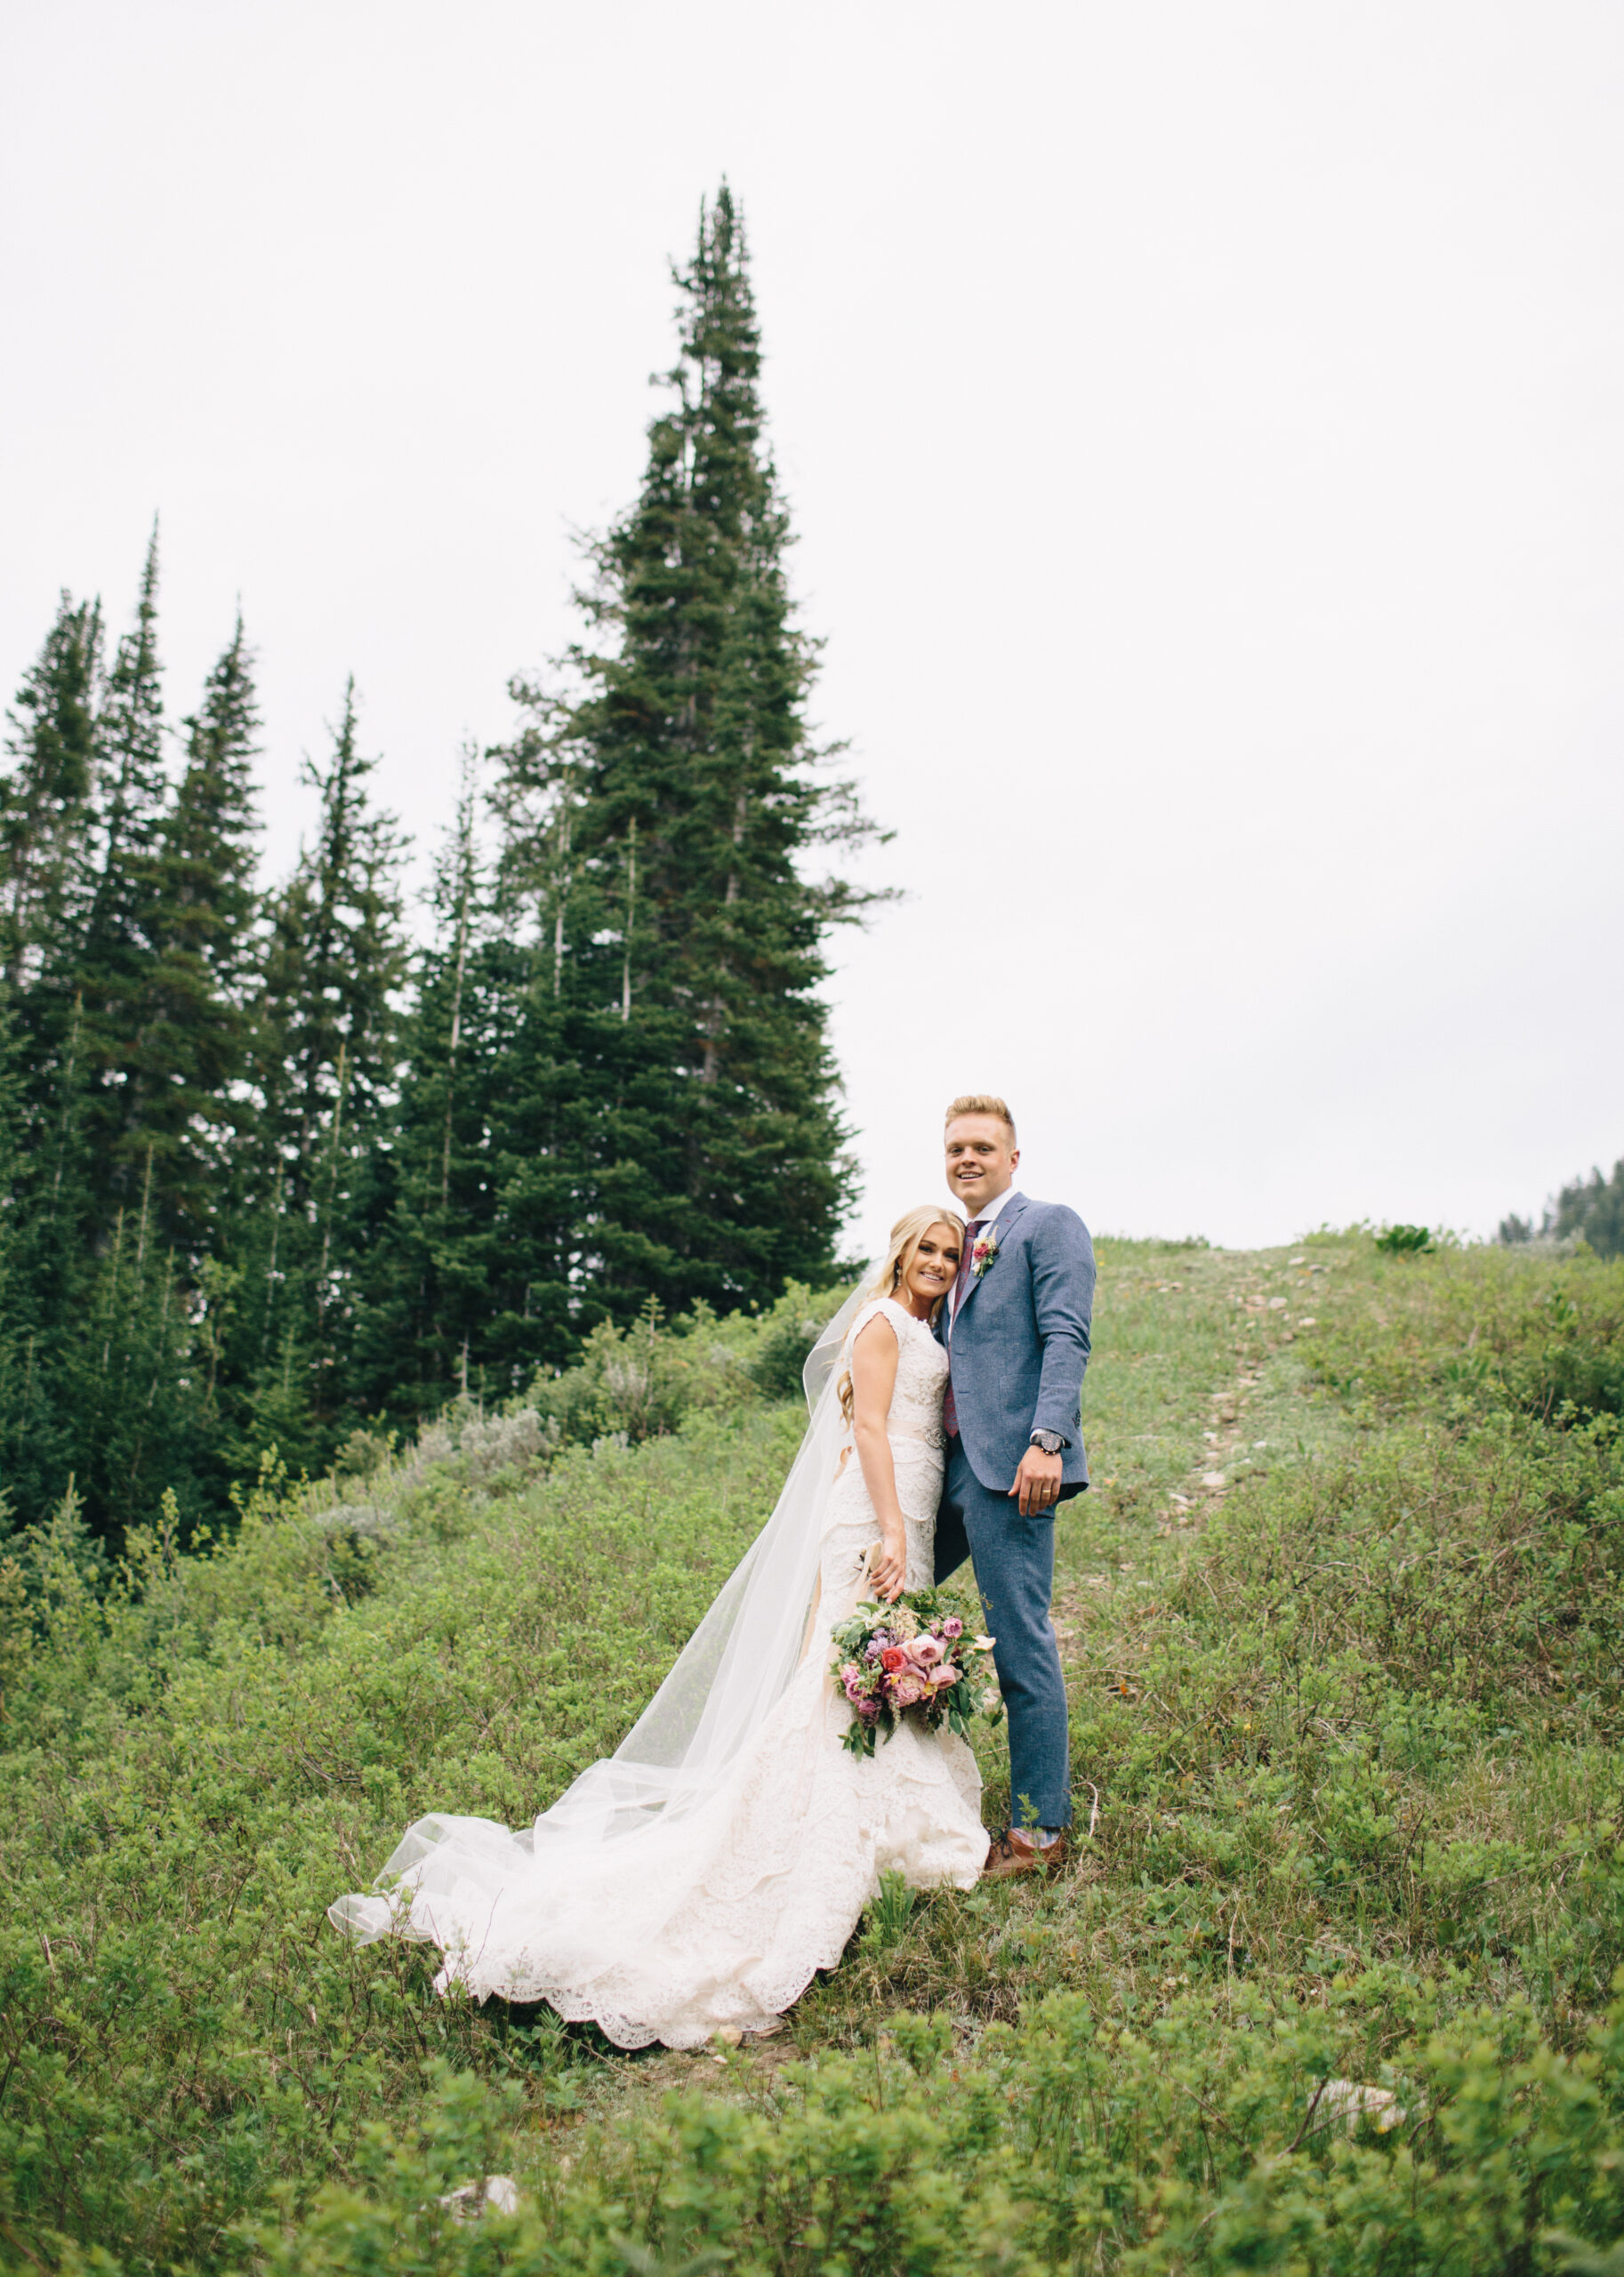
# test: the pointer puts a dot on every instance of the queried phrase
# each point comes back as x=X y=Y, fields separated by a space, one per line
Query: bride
x=697 y=1880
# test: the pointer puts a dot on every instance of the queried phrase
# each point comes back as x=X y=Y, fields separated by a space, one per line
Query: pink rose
x=925 y=1650
x=946 y=1676
x=952 y=1626
x=910 y=1689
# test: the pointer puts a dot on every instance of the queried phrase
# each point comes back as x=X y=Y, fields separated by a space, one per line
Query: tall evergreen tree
x=349 y=954
x=437 y=1276
x=671 y=802
x=545 y=1107
x=47 y=800
x=129 y=1394
x=47 y=807
x=1594 y=1208
x=193 y=1012
x=12 y=1327
x=123 y=923
x=324 y=1060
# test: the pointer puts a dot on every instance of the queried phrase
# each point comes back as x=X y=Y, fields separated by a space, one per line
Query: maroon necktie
x=950 y=1413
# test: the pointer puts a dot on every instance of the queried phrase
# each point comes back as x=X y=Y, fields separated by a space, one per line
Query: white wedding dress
x=698 y=1880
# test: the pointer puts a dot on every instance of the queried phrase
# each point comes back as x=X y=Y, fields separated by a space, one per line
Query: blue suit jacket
x=1020 y=1344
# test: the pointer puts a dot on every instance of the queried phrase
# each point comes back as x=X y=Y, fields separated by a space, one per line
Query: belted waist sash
x=930 y=1434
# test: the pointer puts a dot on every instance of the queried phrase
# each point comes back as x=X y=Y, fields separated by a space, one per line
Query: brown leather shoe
x=1017 y=1853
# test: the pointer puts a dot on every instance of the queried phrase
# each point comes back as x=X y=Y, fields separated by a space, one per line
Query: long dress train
x=670 y=1923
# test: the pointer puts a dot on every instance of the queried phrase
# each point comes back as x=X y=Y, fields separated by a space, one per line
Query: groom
x=1015 y=1325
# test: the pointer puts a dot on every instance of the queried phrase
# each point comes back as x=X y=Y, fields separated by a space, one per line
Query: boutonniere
x=983 y=1252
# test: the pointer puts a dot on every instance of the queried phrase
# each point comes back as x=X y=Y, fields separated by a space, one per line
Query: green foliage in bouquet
x=892 y=1661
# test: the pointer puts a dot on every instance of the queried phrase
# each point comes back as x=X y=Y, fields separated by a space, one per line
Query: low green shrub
x=1221 y=2137
x=1405 y=1241
x=635 y=1383
x=1479 y=1327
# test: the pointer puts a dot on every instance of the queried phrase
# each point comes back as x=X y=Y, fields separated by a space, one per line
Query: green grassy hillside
x=1328 y=1987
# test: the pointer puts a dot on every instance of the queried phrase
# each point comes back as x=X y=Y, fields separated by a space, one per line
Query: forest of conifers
x=272 y=1169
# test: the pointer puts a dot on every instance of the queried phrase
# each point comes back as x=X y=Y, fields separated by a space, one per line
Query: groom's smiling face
x=981 y=1160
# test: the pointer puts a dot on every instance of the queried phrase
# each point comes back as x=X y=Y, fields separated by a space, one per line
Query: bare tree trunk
x=271 y=1270
x=326 y=1231
x=106 y=1348
x=625 y=969
x=465 y=887
x=73 y=1054
x=717 y=1011
x=141 y=1239
x=561 y=895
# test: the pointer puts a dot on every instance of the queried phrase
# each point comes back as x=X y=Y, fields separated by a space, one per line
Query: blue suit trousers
x=1014 y=1559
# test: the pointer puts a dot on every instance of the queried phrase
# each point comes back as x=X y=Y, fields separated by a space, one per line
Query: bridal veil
x=628 y=1813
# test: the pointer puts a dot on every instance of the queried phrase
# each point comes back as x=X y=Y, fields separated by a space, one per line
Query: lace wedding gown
x=718 y=1914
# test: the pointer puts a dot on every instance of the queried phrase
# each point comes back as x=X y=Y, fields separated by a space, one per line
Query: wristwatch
x=1051 y=1442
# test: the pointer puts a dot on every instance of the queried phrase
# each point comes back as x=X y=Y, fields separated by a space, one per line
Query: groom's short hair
x=981 y=1102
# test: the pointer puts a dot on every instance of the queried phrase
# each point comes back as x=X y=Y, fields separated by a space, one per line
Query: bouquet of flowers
x=912 y=1658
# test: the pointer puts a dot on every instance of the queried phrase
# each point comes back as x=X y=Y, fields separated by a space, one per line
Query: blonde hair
x=981 y=1103
x=901 y=1247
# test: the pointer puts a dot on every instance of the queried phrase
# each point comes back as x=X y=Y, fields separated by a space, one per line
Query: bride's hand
x=889 y=1567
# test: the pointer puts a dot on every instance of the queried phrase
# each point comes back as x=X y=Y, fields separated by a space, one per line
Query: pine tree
x=45 y=802
x=193 y=1013
x=1593 y=1207
x=136 y=1422
x=46 y=818
x=123 y=923
x=133 y=946
x=673 y=803
x=352 y=960
x=438 y=1277
x=47 y=1200
x=13 y=1327
x=545 y=1103
x=325 y=1060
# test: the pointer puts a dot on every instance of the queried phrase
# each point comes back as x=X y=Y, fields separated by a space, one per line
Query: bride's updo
x=888 y=1274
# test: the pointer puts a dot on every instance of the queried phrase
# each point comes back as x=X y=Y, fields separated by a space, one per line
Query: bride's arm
x=873 y=1380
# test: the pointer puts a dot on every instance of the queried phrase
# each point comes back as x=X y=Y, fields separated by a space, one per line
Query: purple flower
x=952 y=1626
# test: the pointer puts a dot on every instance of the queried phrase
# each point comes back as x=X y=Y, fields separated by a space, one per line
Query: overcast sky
x=1204 y=427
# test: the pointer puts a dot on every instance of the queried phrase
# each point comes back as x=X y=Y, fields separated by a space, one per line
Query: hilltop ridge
x=1341 y=1622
